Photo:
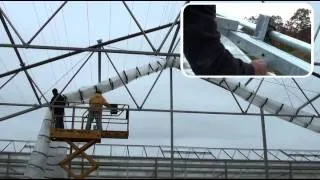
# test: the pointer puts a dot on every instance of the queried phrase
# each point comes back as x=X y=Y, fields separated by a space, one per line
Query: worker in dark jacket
x=58 y=112
x=203 y=49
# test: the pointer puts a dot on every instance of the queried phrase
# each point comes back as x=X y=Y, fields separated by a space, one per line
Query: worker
x=203 y=49
x=95 y=110
x=58 y=112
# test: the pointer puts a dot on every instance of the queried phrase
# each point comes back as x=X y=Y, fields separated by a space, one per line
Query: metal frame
x=165 y=111
x=136 y=21
x=277 y=59
x=80 y=51
x=244 y=42
x=153 y=167
x=87 y=49
x=47 y=22
x=22 y=64
x=12 y=26
x=292 y=155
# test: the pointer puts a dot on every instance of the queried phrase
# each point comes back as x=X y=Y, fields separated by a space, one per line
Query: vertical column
x=264 y=138
x=99 y=62
x=225 y=170
x=290 y=171
x=156 y=168
x=171 y=122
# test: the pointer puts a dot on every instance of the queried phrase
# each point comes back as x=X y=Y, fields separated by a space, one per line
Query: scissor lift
x=115 y=124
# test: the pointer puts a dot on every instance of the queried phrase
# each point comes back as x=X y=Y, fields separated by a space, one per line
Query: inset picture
x=247 y=39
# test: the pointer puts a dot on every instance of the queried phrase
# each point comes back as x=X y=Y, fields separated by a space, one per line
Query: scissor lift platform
x=75 y=135
x=114 y=117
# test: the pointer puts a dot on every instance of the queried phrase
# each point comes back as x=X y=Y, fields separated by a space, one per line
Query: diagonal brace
x=121 y=79
x=135 y=20
x=19 y=57
x=44 y=25
x=304 y=94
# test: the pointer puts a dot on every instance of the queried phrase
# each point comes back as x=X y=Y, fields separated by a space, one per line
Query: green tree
x=299 y=25
x=277 y=23
x=299 y=21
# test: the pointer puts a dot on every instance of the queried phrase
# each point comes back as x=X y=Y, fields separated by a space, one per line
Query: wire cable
x=287 y=93
x=65 y=74
x=43 y=39
x=292 y=87
x=88 y=25
x=68 y=43
x=58 y=41
x=21 y=93
x=110 y=19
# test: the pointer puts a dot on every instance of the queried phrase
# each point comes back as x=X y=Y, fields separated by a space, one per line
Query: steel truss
x=243 y=40
x=154 y=161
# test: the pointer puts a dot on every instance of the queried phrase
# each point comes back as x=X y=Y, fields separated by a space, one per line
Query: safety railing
x=114 y=119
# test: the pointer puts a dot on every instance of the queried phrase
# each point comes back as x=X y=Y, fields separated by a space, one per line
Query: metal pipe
x=234 y=97
x=167 y=35
x=80 y=51
x=72 y=77
x=114 y=67
x=282 y=38
x=246 y=84
x=88 y=49
x=19 y=113
x=135 y=20
x=167 y=111
x=255 y=93
x=312 y=99
x=289 y=41
x=171 y=123
x=8 y=80
x=14 y=29
x=19 y=57
x=316 y=33
x=304 y=94
x=264 y=138
x=73 y=121
x=44 y=25
x=171 y=49
x=76 y=73
x=99 y=63
x=42 y=95
x=299 y=152
x=316 y=74
x=154 y=83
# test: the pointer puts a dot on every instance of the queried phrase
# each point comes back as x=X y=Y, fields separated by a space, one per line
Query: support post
x=225 y=170
x=99 y=62
x=171 y=122
x=73 y=115
x=262 y=27
x=264 y=138
x=156 y=169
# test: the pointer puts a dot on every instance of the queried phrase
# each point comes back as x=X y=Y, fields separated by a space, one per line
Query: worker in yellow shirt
x=95 y=110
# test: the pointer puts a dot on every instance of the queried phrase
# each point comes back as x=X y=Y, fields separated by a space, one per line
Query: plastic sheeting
x=46 y=155
x=267 y=104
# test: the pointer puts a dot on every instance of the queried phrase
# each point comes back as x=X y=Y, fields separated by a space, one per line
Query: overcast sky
x=80 y=24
